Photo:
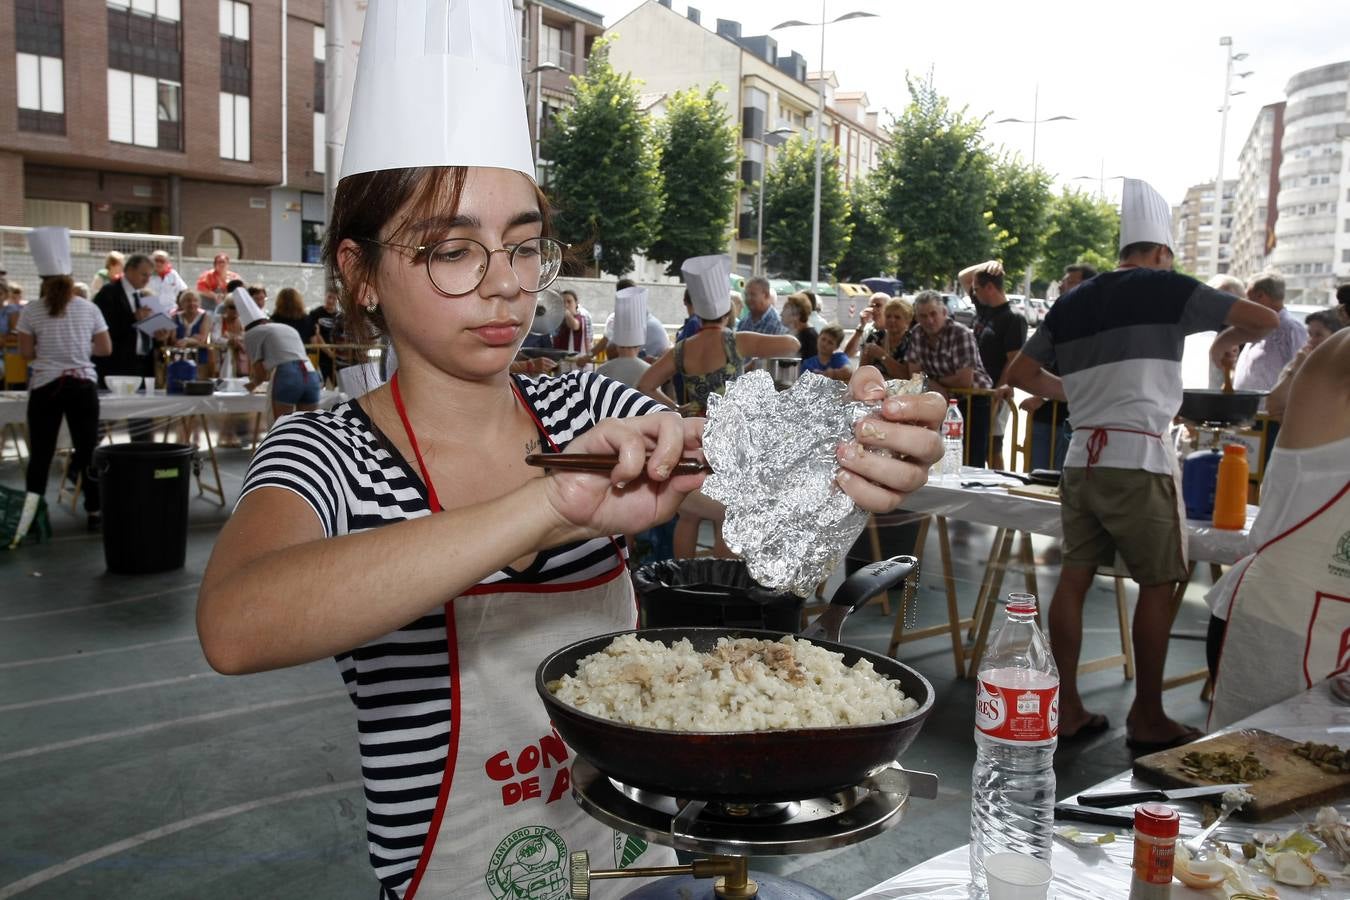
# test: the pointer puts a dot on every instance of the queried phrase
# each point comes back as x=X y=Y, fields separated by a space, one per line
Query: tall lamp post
x=1035 y=122
x=820 y=121
x=538 y=73
x=769 y=139
x=1227 y=43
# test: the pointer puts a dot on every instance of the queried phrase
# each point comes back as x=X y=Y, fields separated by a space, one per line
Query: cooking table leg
x=987 y=603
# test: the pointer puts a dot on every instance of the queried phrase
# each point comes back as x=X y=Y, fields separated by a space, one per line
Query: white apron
x=505 y=820
x=1288 y=615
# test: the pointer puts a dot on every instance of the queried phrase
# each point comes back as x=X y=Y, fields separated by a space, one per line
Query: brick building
x=203 y=119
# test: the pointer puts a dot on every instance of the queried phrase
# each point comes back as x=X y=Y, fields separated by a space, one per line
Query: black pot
x=1220 y=408
x=199 y=388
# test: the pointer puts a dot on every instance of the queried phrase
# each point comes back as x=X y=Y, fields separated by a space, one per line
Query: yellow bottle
x=1230 y=495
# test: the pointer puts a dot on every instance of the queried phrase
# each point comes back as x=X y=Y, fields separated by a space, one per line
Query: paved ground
x=128 y=768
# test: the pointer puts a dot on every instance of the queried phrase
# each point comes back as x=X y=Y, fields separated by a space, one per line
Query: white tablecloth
x=14 y=405
x=1103 y=872
x=994 y=506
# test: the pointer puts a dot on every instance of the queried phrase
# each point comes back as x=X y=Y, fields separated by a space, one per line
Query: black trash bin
x=144 y=488
x=685 y=593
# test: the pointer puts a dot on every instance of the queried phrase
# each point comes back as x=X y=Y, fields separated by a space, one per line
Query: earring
x=372 y=304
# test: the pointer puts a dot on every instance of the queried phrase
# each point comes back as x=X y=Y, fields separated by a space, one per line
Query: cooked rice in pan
x=744 y=684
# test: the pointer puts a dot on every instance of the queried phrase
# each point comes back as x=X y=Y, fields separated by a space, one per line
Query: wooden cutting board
x=1036 y=491
x=1293 y=782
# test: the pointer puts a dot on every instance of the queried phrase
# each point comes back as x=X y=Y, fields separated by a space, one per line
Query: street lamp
x=538 y=73
x=778 y=135
x=1228 y=93
x=820 y=120
x=1035 y=122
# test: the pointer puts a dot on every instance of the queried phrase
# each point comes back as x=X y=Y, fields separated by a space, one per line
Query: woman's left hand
x=907 y=426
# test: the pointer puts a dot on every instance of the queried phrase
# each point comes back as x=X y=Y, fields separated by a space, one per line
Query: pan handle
x=867 y=582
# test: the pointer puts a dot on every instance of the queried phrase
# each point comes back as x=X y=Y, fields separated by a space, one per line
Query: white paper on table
x=157 y=322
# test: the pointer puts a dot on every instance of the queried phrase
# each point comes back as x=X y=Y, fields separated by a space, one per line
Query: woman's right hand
x=639 y=492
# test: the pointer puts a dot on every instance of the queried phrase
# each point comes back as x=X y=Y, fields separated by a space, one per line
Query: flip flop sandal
x=1143 y=748
x=1095 y=725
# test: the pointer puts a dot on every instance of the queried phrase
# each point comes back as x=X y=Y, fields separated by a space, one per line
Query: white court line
x=103 y=692
x=39 y=660
x=52 y=872
x=156 y=726
x=103 y=605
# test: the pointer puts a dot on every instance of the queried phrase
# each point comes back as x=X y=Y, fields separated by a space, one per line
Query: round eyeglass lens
x=458 y=265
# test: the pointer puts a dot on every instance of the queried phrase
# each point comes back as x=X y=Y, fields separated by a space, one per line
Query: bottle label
x=1153 y=860
x=1017 y=715
x=953 y=429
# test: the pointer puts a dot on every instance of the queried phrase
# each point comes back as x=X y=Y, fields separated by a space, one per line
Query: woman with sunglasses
x=439 y=568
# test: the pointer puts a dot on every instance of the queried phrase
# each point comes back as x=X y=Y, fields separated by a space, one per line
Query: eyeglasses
x=456 y=266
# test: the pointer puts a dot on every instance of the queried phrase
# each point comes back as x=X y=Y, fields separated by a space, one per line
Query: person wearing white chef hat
x=59 y=334
x=627 y=336
x=1117 y=341
x=277 y=355
x=716 y=354
x=430 y=531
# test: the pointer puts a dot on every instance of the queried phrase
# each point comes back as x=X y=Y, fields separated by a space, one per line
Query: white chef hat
x=50 y=246
x=248 y=310
x=709 y=281
x=438 y=84
x=630 y=317
x=1144 y=215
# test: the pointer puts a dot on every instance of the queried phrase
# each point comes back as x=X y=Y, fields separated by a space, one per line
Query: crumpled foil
x=773 y=459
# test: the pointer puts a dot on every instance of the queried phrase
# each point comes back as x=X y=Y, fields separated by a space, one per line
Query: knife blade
x=1072 y=812
x=1106 y=799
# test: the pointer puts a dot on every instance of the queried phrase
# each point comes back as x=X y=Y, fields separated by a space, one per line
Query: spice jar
x=1155 y=840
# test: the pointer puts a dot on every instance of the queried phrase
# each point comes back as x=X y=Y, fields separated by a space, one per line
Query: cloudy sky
x=1144 y=80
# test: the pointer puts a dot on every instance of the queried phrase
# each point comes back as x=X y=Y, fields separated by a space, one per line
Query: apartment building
x=1193 y=229
x=1312 y=231
x=1258 y=182
x=768 y=93
x=203 y=119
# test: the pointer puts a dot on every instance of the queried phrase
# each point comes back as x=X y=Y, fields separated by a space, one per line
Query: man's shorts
x=1126 y=511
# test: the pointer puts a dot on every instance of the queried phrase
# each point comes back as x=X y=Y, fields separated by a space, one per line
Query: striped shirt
x=355 y=480
x=1117 y=340
x=63 y=343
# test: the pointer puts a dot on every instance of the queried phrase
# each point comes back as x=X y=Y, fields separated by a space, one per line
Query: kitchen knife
x=1106 y=799
x=1070 y=812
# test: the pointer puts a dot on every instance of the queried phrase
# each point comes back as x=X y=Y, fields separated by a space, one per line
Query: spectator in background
x=192 y=327
x=216 y=280
x=290 y=310
x=944 y=349
x=165 y=284
x=1260 y=363
x=829 y=360
x=1321 y=325
x=324 y=319
x=111 y=271
x=797 y=317
x=258 y=294
x=1000 y=333
x=691 y=322
x=871 y=322
x=575 y=332
x=9 y=313
x=82 y=290
x=763 y=318
x=816 y=321
x=886 y=348
x=1075 y=275
x=1343 y=298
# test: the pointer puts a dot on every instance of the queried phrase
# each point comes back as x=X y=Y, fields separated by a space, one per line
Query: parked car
x=1018 y=302
x=960 y=308
x=1038 y=308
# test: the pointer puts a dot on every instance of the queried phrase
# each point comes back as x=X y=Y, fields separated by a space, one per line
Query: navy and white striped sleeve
x=300 y=455
x=610 y=399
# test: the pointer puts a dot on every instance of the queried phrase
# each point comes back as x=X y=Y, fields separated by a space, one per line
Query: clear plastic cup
x=1016 y=876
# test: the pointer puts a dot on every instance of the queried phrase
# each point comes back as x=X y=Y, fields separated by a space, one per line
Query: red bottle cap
x=1021 y=603
x=1234 y=450
x=1157 y=820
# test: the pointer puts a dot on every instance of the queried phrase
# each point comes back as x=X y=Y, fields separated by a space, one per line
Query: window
x=234 y=127
x=218 y=240
x=145 y=73
x=236 y=81
x=1345 y=256
x=39 y=65
x=555 y=46
x=320 y=120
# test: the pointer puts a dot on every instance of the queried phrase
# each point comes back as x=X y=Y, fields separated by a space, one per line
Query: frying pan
x=747 y=766
x=1218 y=407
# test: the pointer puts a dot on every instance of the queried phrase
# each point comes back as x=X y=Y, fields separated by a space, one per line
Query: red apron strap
x=432 y=500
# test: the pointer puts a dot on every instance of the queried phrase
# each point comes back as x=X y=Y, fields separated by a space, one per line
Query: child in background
x=829 y=360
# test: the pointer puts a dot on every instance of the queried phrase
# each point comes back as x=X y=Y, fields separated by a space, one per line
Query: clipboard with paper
x=156 y=323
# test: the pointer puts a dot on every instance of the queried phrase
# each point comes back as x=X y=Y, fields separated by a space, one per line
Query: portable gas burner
x=729 y=832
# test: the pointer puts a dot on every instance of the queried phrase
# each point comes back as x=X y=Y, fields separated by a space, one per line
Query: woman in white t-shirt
x=60 y=333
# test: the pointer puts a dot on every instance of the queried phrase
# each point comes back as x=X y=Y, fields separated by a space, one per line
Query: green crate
x=11 y=507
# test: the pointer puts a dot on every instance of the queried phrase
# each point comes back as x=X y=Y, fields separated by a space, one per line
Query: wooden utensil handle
x=602 y=462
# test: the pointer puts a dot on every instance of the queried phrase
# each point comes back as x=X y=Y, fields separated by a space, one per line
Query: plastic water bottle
x=953 y=430
x=1016 y=728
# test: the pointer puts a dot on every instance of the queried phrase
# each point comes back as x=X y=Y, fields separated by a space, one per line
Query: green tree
x=1080 y=228
x=871 y=245
x=1019 y=207
x=789 y=198
x=700 y=146
x=936 y=180
x=605 y=179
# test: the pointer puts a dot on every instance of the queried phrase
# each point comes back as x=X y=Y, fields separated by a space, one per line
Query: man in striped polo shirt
x=1117 y=342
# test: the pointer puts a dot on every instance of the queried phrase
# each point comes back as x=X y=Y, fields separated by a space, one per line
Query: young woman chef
x=402 y=532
